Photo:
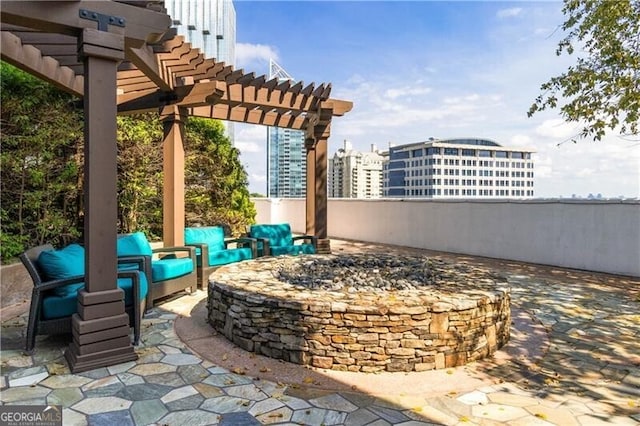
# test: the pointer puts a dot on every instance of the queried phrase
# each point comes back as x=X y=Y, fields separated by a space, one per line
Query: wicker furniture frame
x=160 y=289
x=204 y=270
x=37 y=325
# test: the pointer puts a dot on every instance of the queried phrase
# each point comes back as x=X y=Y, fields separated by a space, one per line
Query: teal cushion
x=278 y=235
x=213 y=236
x=224 y=257
x=135 y=244
x=127 y=285
x=166 y=269
x=61 y=264
x=60 y=306
x=294 y=250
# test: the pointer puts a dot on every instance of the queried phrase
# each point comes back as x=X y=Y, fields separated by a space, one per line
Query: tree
x=140 y=174
x=41 y=174
x=602 y=90
x=216 y=182
x=41 y=177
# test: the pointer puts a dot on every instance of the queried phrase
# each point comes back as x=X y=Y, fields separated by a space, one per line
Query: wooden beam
x=29 y=59
x=338 y=107
x=224 y=112
x=142 y=25
x=147 y=61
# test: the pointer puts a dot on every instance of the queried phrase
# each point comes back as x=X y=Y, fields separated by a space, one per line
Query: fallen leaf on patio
x=265 y=370
x=449 y=371
x=307 y=380
x=464 y=419
x=225 y=357
x=541 y=416
x=632 y=404
x=416 y=409
x=239 y=370
x=229 y=382
x=276 y=415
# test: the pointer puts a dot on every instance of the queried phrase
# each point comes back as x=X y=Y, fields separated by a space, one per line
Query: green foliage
x=602 y=90
x=41 y=163
x=42 y=159
x=140 y=174
x=216 y=182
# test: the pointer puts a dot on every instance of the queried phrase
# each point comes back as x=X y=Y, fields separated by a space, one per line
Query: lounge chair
x=57 y=277
x=169 y=269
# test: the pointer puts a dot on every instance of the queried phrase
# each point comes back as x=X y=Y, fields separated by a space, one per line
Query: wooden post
x=173 y=219
x=321 y=162
x=311 y=187
x=101 y=327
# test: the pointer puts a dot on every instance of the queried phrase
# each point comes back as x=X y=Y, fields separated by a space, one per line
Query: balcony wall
x=601 y=236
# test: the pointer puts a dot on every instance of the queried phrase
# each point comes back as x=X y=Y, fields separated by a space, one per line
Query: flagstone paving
x=588 y=374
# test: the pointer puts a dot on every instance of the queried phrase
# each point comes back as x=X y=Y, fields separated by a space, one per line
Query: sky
x=421 y=69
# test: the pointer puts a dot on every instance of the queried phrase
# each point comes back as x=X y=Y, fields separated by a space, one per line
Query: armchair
x=57 y=277
x=168 y=269
x=277 y=239
x=213 y=250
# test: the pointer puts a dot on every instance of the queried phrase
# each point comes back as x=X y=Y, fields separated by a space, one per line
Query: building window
x=451 y=151
x=469 y=152
x=501 y=154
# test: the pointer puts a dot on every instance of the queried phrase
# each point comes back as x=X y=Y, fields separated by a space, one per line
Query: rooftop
x=573 y=358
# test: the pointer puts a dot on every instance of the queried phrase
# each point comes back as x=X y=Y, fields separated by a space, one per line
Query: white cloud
x=248 y=54
x=557 y=129
x=258 y=178
x=248 y=146
x=520 y=140
x=250 y=138
x=509 y=13
x=406 y=91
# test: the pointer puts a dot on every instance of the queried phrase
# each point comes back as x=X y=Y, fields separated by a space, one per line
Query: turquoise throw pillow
x=61 y=264
x=135 y=244
x=213 y=236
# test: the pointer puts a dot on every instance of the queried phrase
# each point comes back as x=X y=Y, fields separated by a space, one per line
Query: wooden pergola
x=122 y=57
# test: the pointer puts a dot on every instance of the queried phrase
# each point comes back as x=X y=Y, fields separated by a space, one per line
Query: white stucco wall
x=592 y=235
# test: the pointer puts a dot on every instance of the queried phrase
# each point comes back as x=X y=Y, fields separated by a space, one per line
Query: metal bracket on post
x=103 y=20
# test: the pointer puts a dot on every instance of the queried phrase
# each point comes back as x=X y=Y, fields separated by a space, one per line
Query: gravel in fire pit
x=365 y=273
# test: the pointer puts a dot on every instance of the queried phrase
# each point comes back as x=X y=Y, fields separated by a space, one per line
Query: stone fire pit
x=361 y=312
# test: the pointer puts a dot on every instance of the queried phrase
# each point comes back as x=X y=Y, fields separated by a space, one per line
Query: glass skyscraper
x=209 y=25
x=286 y=154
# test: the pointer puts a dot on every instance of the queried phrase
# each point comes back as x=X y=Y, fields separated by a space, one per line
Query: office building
x=354 y=174
x=209 y=25
x=458 y=168
x=286 y=154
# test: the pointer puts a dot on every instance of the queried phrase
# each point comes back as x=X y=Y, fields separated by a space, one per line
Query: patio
x=573 y=359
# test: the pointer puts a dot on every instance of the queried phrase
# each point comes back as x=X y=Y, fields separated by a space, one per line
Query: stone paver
x=586 y=371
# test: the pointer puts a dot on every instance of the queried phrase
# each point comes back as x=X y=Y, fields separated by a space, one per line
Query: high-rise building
x=286 y=154
x=458 y=168
x=209 y=25
x=354 y=174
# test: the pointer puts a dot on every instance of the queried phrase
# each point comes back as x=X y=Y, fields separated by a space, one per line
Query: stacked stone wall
x=394 y=331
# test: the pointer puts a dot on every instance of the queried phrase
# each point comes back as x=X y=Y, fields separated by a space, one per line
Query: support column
x=311 y=187
x=100 y=329
x=173 y=119
x=321 y=162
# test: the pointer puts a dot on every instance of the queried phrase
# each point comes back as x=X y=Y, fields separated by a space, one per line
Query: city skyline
x=416 y=70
